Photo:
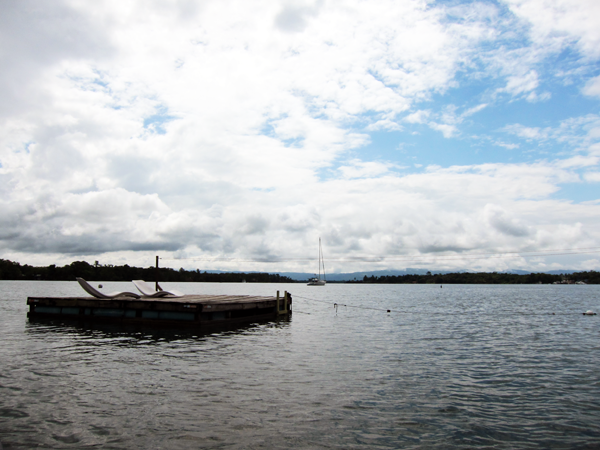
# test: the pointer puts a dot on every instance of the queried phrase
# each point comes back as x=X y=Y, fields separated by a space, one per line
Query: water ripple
x=498 y=367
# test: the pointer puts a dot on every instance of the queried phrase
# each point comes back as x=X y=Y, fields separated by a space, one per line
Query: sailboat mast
x=319 y=258
x=323 y=262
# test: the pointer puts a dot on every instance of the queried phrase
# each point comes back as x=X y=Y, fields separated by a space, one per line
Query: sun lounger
x=92 y=291
x=149 y=291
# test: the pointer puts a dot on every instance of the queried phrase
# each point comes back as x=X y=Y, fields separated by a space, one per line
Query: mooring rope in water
x=336 y=305
x=445 y=313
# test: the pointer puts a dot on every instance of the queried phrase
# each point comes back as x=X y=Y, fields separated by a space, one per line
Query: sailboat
x=317 y=281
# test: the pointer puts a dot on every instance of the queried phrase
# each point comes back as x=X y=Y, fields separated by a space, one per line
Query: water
x=500 y=367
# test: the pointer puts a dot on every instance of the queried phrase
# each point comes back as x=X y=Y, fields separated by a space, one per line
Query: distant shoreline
x=15 y=271
x=591 y=277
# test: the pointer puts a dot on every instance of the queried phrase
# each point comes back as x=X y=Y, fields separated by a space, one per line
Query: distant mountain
x=339 y=277
x=517 y=272
x=549 y=272
x=301 y=276
x=561 y=272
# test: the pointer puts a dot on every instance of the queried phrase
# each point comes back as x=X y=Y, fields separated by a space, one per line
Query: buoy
x=589 y=312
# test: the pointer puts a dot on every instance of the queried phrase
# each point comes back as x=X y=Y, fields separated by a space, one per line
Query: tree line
x=10 y=270
x=590 y=277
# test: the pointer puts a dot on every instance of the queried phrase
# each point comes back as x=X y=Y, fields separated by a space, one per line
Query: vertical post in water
x=156 y=276
x=277 y=307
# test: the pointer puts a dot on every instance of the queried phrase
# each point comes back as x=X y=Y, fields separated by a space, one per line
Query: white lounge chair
x=149 y=291
x=92 y=291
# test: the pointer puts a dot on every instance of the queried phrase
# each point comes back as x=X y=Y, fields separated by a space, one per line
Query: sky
x=232 y=135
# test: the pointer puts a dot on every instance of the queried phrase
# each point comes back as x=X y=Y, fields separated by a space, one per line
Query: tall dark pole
x=156 y=287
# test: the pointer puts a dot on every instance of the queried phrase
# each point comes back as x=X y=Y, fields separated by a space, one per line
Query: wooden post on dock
x=285 y=303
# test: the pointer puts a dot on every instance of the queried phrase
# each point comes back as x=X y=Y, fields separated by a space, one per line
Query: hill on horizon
x=350 y=276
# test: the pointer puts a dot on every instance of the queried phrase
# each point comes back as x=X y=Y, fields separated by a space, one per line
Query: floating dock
x=189 y=310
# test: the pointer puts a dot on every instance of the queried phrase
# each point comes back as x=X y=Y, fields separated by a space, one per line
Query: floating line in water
x=335 y=305
x=429 y=313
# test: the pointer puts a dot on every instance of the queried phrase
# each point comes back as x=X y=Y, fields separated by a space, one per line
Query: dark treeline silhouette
x=591 y=277
x=14 y=271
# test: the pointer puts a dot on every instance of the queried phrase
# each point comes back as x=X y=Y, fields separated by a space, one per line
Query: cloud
x=562 y=20
x=501 y=221
x=384 y=124
x=524 y=86
x=592 y=177
x=224 y=129
x=453 y=210
x=523 y=83
x=474 y=109
x=447 y=130
x=579 y=161
x=581 y=133
x=528 y=133
x=361 y=169
x=449 y=118
x=592 y=87
x=506 y=145
x=590 y=264
x=417 y=117
x=294 y=18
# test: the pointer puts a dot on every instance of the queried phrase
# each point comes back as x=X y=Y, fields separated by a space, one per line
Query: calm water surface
x=503 y=367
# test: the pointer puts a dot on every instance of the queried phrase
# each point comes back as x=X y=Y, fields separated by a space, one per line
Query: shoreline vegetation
x=590 y=277
x=10 y=270
x=97 y=272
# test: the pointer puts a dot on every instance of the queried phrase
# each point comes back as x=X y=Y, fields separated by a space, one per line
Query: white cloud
x=506 y=145
x=474 y=109
x=520 y=84
x=560 y=20
x=593 y=177
x=447 y=120
x=384 y=124
x=592 y=87
x=450 y=211
x=214 y=128
x=500 y=220
x=579 y=161
x=524 y=86
x=527 y=132
x=417 y=117
x=294 y=18
x=446 y=129
x=362 y=169
x=594 y=149
x=581 y=133
x=590 y=264
x=535 y=97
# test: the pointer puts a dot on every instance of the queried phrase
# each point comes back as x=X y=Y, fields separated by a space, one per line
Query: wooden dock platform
x=189 y=310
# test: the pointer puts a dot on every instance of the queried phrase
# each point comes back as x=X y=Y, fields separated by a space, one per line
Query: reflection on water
x=458 y=367
x=105 y=332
